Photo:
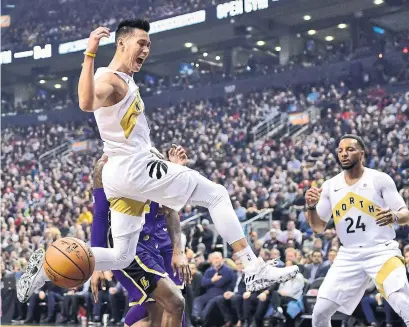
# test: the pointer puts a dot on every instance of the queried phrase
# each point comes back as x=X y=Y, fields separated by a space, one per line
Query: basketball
x=69 y=262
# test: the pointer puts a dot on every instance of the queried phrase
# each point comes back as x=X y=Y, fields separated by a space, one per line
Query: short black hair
x=128 y=25
x=356 y=138
x=317 y=251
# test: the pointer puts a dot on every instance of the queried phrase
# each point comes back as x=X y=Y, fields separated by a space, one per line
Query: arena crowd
x=43 y=203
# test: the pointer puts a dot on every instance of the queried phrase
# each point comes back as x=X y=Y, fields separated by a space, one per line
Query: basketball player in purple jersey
x=145 y=278
x=149 y=313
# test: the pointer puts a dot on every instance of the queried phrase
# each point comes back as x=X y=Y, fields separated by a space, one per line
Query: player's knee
x=320 y=317
x=220 y=193
x=124 y=257
x=176 y=304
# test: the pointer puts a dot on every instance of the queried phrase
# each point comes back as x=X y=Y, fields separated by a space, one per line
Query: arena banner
x=299 y=118
x=158 y=26
x=240 y=7
x=80 y=146
x=5 y=21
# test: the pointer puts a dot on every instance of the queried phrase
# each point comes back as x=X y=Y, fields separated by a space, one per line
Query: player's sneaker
x=33 y=278
x=260 y=275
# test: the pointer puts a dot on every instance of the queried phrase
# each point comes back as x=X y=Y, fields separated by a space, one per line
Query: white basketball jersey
x=354 y=207
x=123 y=126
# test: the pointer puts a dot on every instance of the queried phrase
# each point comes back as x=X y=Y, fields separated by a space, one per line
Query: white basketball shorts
x=143 y=177
x=352 y=269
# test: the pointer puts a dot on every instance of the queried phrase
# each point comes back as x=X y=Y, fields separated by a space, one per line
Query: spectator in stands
x=328 y=236
x=240 y=211
x=54 y=298
x=187 y=212
x=290 y=254
x=216 y=280
x=332 y=254
x=273 y=242
x=34 y=306
x=255 y=305
x=72 y=301
x=194 y=289
x=252 y=210
x=207 y=236
x=85 y=218
x=196 y=283
x=115 y=299
x=275 y=255
x=317 y=268
x=201 y=264
x=317 y=246
x=231 y=302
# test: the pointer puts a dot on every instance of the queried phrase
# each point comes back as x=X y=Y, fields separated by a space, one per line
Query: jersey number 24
x=351 y=228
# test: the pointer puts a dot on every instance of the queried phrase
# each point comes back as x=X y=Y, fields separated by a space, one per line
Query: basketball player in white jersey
x=365 y=205
x=134 y=175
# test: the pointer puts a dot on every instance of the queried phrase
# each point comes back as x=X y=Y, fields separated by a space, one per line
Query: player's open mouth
x=139 y=61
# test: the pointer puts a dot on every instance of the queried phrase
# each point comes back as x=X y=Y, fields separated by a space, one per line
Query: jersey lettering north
x=353 y=207
x=123 y=126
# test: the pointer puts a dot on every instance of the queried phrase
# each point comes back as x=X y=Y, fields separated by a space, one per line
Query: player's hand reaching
x=95 y=37
x=312 y=196
x=97 y=278
x=385 y=217
x=180 y=265
x=177 y=154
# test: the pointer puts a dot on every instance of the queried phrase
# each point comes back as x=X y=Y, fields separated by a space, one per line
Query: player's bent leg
x=167 y=260
x=216 y=199
x=323 y=310
x=387 y=269
x=399 y=302
x=170 y=298
x=120 y=256
x=126 y=223
x=155 y=313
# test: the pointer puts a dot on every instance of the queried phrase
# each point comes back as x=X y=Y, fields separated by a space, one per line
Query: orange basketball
x=69 y=262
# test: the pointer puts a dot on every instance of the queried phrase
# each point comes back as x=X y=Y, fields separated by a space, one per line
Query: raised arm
x=318 y=207
x=92 y=95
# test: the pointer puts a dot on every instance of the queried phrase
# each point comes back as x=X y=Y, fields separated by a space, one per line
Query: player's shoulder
x=378 y=177
x=106 y=76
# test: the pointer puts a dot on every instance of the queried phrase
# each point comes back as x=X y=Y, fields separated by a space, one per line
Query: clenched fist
x=313 y=196
x=95 y=37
